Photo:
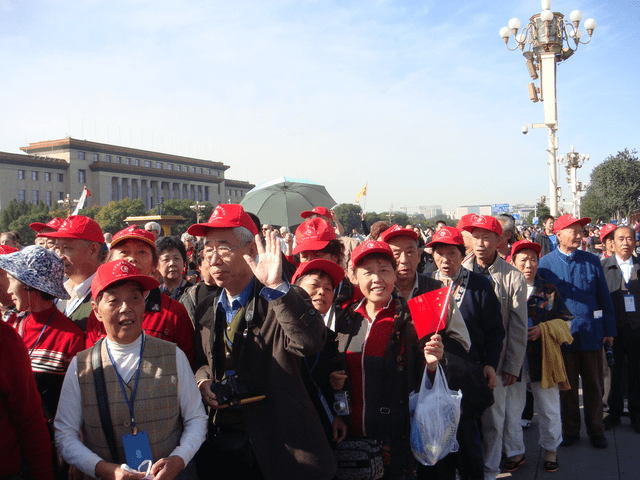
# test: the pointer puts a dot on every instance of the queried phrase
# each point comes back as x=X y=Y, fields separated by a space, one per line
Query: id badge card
x=137 y=449
x=629 y=303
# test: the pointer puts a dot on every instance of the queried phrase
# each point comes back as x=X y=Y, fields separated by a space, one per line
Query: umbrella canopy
x=281 y=201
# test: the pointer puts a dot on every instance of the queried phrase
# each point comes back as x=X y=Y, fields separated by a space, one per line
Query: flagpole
x=364 y=208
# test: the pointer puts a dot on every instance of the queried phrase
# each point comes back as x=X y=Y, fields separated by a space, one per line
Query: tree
x=592 y=207
x=616 y=184
x=349 y=216
x=17 y=216
x=111 y=216
x=542 y=211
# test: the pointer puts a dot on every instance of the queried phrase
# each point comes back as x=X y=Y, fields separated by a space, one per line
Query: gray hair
x=155 y=226
x=185 y=236
x=508 y=225
x=243 y=234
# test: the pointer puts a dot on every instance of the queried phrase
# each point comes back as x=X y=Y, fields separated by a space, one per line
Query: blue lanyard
x=135 y=387
x=45 y=327
x=175 y=295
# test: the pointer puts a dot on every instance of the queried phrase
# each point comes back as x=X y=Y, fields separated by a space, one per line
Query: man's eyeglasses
x=222 y=251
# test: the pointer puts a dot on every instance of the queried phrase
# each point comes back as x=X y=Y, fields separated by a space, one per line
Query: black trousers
x=626 y=344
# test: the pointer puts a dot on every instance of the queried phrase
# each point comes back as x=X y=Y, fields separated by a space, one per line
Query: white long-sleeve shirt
x=68 y=421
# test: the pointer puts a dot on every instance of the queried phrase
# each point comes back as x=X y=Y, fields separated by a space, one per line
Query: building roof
x=105 y=148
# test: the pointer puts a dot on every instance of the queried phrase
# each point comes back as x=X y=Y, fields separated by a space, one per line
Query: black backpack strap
x=102 y=397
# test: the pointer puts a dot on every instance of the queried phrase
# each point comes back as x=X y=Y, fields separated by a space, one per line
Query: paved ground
x=621 y=460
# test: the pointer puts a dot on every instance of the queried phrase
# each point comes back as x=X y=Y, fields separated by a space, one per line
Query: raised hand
x=268 y=270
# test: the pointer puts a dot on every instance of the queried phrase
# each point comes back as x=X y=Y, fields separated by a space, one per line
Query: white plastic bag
x=435 y=421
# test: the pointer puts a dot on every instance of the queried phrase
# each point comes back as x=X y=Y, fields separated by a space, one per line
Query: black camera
x=341 y=403
x=231 y=390
x=608 y=351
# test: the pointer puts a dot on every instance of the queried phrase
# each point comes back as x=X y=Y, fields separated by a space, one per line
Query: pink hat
x=447 y=235
x=134 y=233
x=367 y=248
x=317 y=211
x=567 y=220
x=332 y=269
x=313 y=234
x=78 y=227
x=606 y=230
x=523 y=245
x=227 y=215
x=112 y=272
x=485 y=222
x=397 y=230
x=53 y=224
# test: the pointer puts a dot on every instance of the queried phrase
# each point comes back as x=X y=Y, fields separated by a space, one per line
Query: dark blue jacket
x=580 y=280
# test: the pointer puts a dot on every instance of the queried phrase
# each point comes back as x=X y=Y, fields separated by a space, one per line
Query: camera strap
x=103 y=399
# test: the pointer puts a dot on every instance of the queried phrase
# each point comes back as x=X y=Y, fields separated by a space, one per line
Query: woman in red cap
x=320 y=372
x=164 y=317
x=380 y=351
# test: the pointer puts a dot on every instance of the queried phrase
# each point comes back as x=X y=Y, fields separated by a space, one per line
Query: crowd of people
x=277 y=354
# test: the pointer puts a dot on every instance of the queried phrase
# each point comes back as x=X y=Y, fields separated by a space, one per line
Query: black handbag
x=359 y=459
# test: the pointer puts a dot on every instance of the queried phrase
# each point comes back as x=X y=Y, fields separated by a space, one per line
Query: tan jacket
x=511 y=289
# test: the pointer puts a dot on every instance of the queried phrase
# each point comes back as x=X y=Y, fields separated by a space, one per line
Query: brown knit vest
x=156 y=408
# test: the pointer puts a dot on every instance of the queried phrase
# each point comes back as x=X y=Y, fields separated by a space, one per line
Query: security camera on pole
x=547 y=40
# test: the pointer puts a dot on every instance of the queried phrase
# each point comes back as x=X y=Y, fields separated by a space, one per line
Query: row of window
x=35 y=196
x=148 y=164
x=236 y=193
x=82 y=176
x=34 y=176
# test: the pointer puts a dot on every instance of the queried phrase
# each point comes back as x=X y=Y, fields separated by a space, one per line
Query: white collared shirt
x=626 y=266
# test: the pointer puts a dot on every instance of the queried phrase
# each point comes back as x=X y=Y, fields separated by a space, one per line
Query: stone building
x=52 y=169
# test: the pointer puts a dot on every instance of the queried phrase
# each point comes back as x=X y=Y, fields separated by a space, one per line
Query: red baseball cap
x=317 y=211
x=523 y=245
x=447 y=235
x=78 y=227
x=53 y=224
x=228 y=215
x=313 y=234
x=485 y=222
x=367 y=248
x=567 y=220
x=4 y=249
x=465 y=220
x=396 y=231
x=606 y=230
x=332 y=269
x=112 y=272
x=134 y=233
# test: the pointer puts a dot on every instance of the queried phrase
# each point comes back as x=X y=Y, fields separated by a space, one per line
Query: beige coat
x=510 y=287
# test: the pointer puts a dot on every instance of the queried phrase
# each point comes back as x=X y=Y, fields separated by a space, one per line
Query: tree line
x=17 y=216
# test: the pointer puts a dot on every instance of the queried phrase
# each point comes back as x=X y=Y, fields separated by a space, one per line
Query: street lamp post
x=547 y=41
x=67 y=204
x=573 y=161
x=198 y=207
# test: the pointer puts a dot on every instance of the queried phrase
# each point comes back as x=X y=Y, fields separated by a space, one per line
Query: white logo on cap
x=481 y=220
x=443 y=233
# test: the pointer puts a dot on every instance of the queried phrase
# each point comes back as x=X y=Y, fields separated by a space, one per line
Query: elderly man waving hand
x=250 y=338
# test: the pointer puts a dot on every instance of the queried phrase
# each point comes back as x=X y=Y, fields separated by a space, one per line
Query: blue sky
x=419 y=99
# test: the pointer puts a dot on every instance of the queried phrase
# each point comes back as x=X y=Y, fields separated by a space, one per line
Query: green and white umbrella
x=281 y=201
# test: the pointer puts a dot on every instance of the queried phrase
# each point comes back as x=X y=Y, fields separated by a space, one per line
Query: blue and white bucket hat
x=37 y=267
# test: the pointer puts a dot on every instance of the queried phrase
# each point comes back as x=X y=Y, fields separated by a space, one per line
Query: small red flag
x=429 y=311
x=88 y=192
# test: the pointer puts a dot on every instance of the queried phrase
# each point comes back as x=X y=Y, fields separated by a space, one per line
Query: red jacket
x=164 y=318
